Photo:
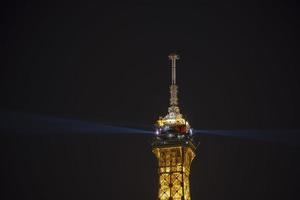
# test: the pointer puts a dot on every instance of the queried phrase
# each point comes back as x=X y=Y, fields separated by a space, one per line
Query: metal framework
x=174 y=149
x=174 y=170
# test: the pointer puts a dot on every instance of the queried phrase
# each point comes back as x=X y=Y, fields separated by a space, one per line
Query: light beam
x=288 y=136
x=22 y=123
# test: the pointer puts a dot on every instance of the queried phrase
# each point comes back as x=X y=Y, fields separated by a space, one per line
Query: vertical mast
x=173 y=57
x=173 y=88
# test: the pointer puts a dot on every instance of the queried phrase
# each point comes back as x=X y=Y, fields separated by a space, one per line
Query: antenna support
x=173 y=57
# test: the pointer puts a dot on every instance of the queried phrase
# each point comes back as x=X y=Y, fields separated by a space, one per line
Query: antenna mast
x=173 y=88
x=173 y=57
x=173 y=120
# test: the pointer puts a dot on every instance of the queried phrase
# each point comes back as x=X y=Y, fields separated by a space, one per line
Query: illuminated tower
x=173 y=146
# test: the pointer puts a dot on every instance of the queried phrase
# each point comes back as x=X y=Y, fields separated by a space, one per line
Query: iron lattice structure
x=174 y=163
x=174 y=149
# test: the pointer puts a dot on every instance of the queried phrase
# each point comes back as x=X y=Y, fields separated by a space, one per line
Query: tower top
x=174 y=148
x=173 y=122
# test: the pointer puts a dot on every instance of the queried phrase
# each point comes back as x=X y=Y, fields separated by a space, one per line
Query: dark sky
x=101 y=62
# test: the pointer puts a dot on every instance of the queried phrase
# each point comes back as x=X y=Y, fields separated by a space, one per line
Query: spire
x=173 y=88
x=173 y=57
x=173 y=120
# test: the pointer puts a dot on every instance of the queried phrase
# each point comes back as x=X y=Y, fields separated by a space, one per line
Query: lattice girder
x=173 y=170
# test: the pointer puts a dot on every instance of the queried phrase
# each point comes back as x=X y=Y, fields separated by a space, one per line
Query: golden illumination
x=173 y=146
x=174 y=170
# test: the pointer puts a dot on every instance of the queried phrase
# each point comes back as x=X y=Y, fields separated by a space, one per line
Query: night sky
x=108 y=63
